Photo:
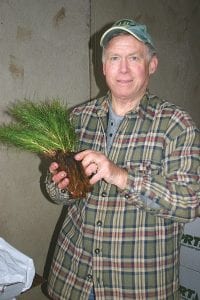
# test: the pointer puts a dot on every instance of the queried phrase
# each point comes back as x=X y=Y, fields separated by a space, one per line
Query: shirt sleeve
x=173 y=191
x=57 y=195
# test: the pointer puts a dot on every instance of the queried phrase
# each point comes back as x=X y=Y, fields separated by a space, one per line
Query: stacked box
x=190 y=262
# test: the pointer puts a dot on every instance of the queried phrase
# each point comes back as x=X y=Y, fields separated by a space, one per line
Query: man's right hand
x=60 y=178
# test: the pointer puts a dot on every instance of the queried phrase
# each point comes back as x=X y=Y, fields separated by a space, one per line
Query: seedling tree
x=44 y=128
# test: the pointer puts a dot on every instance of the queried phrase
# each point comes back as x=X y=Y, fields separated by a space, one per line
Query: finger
x=58 y=177
x=53 y=167
x=81 y=155
x=91 y=169
x=95 y=178
x=63 y=184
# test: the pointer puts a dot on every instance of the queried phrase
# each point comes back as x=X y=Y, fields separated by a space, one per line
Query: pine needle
x=43 y=127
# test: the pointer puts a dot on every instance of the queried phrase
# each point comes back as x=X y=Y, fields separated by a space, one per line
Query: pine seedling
x=45 y=128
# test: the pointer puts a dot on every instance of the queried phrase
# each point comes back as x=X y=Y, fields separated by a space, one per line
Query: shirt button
x=103 y=194
x=126 y=196
x=97 y=251
x=99 y=223
x=89 y=277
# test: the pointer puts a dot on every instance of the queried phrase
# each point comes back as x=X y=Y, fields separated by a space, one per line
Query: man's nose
x=124 y=65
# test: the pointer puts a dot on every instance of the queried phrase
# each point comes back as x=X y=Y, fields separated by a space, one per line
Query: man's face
x=127 y=67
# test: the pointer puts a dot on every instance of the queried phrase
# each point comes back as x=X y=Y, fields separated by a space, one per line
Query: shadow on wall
x=96 y=59
x=44 y=165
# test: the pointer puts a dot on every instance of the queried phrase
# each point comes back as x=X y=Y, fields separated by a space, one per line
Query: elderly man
x=142 y=156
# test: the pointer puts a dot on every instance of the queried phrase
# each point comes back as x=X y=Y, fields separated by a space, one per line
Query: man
x=123 y=240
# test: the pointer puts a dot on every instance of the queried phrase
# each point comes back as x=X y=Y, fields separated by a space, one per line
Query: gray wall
x=45 y=53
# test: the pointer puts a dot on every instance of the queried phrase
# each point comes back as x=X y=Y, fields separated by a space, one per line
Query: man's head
x=131 y=27
x=129 y=58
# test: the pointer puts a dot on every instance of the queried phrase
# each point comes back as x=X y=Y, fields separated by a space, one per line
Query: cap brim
x=108 y=34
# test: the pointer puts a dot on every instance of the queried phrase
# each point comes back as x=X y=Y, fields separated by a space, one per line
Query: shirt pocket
x=143 y=168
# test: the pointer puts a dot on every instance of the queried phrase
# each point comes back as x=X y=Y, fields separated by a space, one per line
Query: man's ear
x=103 y=68
x=153 y=64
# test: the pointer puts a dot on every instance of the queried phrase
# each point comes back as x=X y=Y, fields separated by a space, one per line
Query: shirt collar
x=140 y=110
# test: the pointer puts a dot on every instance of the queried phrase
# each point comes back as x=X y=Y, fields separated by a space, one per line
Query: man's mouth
x=124 y=81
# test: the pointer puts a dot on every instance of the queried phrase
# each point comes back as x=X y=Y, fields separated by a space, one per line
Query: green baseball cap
x=137 y=30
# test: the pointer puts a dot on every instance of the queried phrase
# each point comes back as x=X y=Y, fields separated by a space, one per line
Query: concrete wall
x=45 y=52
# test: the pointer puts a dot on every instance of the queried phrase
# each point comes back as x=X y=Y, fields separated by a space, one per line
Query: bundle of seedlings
x=45 y=128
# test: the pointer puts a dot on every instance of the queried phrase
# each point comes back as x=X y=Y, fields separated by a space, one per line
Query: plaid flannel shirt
x=126 y=243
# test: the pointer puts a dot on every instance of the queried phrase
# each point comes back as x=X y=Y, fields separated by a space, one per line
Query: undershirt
x=114 y=121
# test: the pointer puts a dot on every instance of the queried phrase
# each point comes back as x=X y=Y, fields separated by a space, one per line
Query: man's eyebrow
x=117 y=53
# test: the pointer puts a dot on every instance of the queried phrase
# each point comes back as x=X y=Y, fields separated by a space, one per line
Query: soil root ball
x=79 y=184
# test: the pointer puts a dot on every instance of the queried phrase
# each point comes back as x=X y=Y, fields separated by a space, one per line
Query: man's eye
x=133 y=58
x=114 y=58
